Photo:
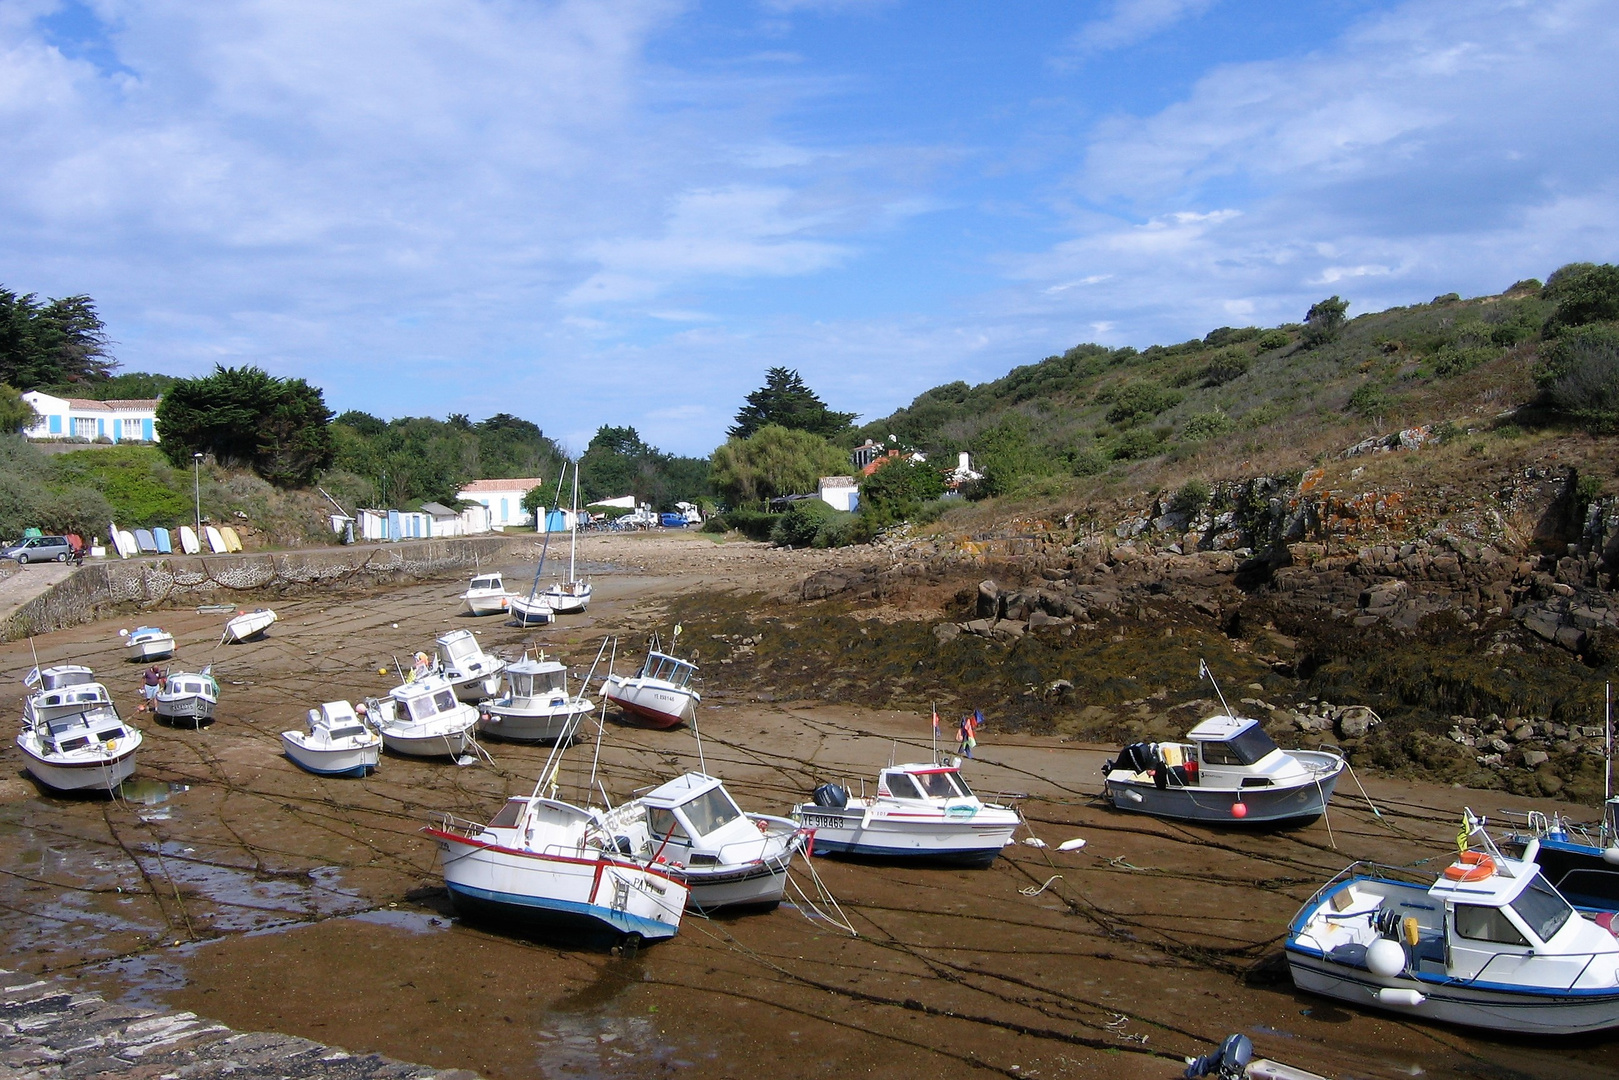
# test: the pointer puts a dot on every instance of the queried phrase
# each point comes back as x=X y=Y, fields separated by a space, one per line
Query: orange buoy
x=1470 y=866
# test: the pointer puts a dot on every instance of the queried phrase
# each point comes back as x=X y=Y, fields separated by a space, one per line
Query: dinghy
x=216 y=540
x=247 y=625
x=422 y=718
x=233 y=542
x=921 y=813
x=145 y=542
x=165 y=545
x=187 y=697
x=148 y=643
x=573 y=595
x=473 y=673
x=1487 y=942
x=188 y=541
x=336 y=744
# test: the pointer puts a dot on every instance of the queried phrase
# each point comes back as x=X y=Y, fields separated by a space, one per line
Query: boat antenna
x=935 y=707
x=544 y=546
x=702 y=766
x=601 y=723
x=1203 y=672
x=1607 y=748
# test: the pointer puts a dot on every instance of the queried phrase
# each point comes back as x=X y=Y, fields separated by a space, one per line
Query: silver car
x=39 y=549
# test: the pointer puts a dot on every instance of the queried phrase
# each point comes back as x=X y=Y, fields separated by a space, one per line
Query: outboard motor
x=831 y=795
x=1230 y=1062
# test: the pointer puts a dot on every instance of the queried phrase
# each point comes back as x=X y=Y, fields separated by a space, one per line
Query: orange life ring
x=1470 y=866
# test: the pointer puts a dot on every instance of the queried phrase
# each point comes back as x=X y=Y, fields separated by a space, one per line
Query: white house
x=840 y=492
x=504 y=498
x=132 y=420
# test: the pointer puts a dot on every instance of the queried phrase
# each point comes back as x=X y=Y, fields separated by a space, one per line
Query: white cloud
x=1133 y=21
x=1430 y=148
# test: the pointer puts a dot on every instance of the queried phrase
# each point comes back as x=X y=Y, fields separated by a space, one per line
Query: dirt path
x=269 y=899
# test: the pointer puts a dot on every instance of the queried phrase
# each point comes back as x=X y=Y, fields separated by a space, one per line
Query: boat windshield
x=710 y=810
x=351 y=732
x=550 y=680
x=902 y=786
x=484 y=583
x=668 y=669
x=1246 y=749
x=1541 y=907
x=507 y=818
x=426 y=707
x=665 y=825
x=939 y=785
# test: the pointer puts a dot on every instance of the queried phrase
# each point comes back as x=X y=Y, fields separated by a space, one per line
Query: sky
x=590 y=212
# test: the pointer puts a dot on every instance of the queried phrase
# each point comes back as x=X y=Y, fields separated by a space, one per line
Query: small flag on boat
x=1203 y=670
x=935 y=718
x=978 y=717
x=32 y=679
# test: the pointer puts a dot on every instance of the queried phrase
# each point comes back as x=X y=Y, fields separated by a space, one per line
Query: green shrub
x=1141 y=400
x=1584 y=293
x=1192 y=497
x=1227 y=335
x=1370 y=400
x=754 y=524
x=1138 y=443
x=1274 y=339
x=1201 y=427
x=1088 y=462
x=1224 y=366
x=1324 y=321
x=1579 y=373
x=136 y=481
x=1451 y=360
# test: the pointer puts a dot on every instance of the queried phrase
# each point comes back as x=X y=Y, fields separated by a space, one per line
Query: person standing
x=149 y=685
x=969 y=732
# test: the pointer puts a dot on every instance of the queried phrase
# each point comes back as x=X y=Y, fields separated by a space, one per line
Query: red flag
x=935 y=719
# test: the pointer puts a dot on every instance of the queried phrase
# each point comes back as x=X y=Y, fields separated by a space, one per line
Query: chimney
x=962 y=464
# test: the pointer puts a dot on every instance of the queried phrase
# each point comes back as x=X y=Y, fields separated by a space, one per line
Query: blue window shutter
x=56 y=425
x=146 y=429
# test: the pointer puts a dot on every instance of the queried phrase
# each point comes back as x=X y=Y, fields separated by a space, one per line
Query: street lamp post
x=196 y=487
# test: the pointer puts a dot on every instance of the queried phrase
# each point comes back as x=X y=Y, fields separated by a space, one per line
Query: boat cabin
x=70 y=700
x=487 y=583
x=55 y=678
x=461 y=651
x=923 y=782
x=422 y=701
x=666 y=668
x=541 y=822
x=185 y=683
x=695 y=812
x=537 y=679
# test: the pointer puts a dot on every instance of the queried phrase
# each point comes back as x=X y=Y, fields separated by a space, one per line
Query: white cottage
x=504 y=499
x=129 y=420
x=840 y=493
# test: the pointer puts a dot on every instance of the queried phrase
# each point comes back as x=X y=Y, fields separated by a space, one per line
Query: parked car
x=39 y=549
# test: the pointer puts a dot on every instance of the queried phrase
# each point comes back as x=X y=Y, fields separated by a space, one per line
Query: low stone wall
x=201 y=579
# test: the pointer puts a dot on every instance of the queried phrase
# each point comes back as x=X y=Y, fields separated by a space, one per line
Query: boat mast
x=573 y=533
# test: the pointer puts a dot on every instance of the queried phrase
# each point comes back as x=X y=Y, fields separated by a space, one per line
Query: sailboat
x=573 y=595
x=534 y=609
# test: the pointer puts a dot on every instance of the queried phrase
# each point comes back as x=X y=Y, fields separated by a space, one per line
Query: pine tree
x=784 y=400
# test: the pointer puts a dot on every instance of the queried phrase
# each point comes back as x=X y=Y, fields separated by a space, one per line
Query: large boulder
x=989 y=599
x=1354 y=721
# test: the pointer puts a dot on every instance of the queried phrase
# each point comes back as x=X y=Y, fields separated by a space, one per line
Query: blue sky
x=624 y=211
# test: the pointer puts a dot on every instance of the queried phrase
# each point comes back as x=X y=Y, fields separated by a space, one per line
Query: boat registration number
x=816 y=821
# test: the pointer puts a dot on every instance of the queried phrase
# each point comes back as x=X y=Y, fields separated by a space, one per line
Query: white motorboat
x=487 y=594
x=475 y=674
x=422 y=718
x=246 y=625
x=730 y=859
x=660 y=695
x=338 y=743
x=1488 y=943
x=148 y=643
x=1229 y=772
x=72 y=737
x=921 y=812
x=571 y=596
x=186 y=696
x=536 y=706
x=550 y=865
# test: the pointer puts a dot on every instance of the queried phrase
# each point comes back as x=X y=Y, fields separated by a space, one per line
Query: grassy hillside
x=1241 y=400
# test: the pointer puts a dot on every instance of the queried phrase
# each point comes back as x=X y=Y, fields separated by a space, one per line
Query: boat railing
x=1399 y=875
x=1561 y=959
x=460 y=826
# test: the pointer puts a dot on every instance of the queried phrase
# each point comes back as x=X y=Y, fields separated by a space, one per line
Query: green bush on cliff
x=1579 y=375
x=1584 y=293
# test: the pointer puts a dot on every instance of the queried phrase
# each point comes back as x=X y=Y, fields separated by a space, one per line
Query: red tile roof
x=523 y=484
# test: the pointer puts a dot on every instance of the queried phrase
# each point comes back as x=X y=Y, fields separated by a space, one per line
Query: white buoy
x=1611 y=855
x=1133 y=796
x=1071 y=845
x=1390 y=995
x=1385 y=958
x=1034 y=841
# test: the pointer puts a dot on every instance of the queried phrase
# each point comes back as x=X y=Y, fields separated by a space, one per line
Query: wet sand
x=270 y=899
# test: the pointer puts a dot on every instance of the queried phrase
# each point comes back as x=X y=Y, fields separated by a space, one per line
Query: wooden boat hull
x=651 y=702
x=103 y=774
x=597 y=896
x=329 y=760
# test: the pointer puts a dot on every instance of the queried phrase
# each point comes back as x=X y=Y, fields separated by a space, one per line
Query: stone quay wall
x=96 y=590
